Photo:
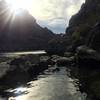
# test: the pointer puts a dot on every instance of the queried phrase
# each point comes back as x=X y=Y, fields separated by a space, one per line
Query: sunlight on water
x=13 y=54
x=57 y=86
x=18 y=90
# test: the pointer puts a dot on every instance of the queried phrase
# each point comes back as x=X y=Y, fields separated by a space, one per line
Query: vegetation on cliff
x=84 y=24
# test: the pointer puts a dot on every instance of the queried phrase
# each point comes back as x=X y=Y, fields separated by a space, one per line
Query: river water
x=14 y=54
x=50 y=85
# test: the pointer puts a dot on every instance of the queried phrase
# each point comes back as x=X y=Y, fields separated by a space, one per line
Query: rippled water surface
x=48 y=86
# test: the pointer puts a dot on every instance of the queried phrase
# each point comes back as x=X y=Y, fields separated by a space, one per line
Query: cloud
x=55 y=14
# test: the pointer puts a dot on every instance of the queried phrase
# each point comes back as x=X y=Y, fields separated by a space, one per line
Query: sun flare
x=16 y=5
x=34 y=7
x=46 y=11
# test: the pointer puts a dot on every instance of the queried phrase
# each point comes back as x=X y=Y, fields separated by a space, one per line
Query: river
x=14 y=54
x=50 y=85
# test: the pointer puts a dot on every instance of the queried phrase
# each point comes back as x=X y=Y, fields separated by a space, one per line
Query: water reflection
x=14 y=54
x=18 y=91
x=55 y=86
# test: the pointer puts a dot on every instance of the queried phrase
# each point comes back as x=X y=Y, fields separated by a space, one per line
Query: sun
x=36 y=8
x=19 y=4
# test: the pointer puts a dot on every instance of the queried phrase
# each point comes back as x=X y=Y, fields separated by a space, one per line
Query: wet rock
x=37 y=69
x=87 y=57
x=56 y=70
x=34 y=59
x=4 y=67
x=68 y=54
x=48 y=60
x=95 y=88
x=88 y=62
x=64 y=61
x=90 y=81
x=21 y=70
x=16 y=76
x=44 y=58
x=18 y=61
x=19 y=75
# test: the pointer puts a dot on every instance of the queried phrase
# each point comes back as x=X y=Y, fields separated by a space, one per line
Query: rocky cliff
x=84 y=39
x=84 y=26
x=20 y=32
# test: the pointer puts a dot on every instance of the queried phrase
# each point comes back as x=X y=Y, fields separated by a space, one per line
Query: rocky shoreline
x=87 y=70
x=26 y=67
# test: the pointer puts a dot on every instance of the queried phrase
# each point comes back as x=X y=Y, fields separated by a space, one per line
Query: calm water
x=49 y=86
x=14 y=54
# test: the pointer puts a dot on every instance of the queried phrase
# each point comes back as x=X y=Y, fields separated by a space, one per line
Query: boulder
x=87 y=57
x=62 y=61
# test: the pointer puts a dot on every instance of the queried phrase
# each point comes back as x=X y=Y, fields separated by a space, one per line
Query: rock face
x=20 y=32
x=84 y=27
x=84 y=39
x=94 y=38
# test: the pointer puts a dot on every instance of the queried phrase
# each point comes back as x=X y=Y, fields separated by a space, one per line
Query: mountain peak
x=21 y=32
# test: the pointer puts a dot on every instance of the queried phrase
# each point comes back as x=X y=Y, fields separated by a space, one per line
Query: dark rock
x=18 y=62
x=88 y=62
x=94 y=40
x=56 y=70
x=37 y=69
x=87 y=58
x=63 y=61
x=46 y=59
x=81 y=26
x=21 y=71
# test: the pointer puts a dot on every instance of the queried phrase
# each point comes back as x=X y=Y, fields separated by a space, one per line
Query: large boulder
x=87 y=58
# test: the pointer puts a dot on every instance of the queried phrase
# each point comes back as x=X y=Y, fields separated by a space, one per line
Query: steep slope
x=20 y=32
x=84 y=38
x=82 y=24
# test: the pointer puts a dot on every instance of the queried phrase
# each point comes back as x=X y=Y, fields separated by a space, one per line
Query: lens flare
x=16 y=4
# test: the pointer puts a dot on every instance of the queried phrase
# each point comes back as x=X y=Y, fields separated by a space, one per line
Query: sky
x=54 y=14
